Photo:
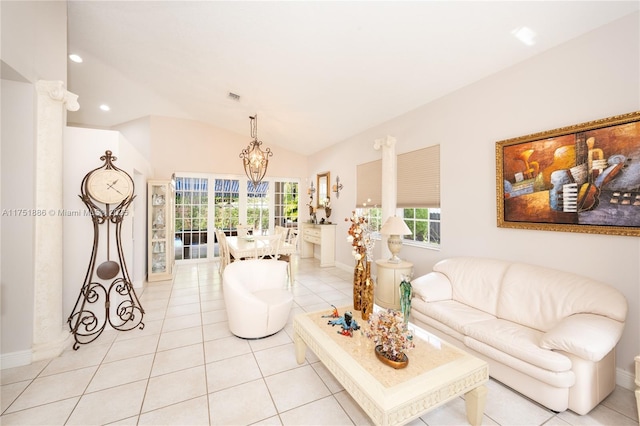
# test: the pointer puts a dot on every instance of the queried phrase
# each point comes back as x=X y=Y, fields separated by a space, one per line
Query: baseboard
x=625 y=379
x=15 y=359
x=345 y=267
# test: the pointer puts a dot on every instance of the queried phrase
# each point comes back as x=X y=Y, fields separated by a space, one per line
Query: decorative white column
x=50 y=335
x=389 y=183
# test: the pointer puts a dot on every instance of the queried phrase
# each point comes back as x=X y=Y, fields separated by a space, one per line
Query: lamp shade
x=395 y=226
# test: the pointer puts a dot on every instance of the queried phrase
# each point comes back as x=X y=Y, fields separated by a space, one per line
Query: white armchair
x=256 y=298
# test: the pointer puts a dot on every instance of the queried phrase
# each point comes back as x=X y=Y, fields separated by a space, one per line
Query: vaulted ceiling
x=315 y=72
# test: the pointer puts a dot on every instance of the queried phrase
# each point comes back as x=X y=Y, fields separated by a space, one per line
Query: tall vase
x=406 y=292
x=367 y=293
x=358 y=283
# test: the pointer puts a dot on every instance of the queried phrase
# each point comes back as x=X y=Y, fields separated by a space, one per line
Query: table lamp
x=395 y=227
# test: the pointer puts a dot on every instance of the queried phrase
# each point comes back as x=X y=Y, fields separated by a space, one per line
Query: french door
x=225 y=202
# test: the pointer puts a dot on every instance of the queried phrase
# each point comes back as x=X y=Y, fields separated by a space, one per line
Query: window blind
x=369 y=184
x=419 y=178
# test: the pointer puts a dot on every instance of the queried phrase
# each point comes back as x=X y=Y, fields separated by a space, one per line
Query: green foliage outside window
x=189 y=215
x=424 y=224
x=291 y=201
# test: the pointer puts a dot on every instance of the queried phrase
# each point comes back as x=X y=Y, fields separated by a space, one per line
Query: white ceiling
x=316 y=73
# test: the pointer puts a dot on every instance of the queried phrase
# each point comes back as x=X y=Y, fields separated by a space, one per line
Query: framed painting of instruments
x=580 y=178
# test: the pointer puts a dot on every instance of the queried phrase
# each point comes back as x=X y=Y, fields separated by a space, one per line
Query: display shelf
x=160 y=230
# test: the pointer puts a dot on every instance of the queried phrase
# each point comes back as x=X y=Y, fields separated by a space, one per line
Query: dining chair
x=293 y=240
x=242 y=230
x=266 y=246
x=223 y=250
x=282 y=231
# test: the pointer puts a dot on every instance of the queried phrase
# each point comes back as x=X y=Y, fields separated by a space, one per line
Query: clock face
x=109 y=186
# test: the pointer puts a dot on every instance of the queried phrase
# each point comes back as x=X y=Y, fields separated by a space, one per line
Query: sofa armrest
x=588 y=336
x=432 y=287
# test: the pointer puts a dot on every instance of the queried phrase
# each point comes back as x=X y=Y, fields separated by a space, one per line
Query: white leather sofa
x=548 y=334
x=256 y=297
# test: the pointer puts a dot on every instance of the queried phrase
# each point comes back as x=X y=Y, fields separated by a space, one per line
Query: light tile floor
x=185 y=368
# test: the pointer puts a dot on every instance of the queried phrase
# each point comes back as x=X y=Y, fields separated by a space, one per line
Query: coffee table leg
x=301 y=348
x=475 y=401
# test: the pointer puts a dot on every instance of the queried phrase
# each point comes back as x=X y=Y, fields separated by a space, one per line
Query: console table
x=320 y=235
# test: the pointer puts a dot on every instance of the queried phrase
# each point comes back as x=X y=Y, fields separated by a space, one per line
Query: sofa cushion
x=432 y=287
x=455 y=314
x=564 y=379
x=475 y=281
x=421 y=320
x=541 y=297
x=585 y=335
x=517 y=341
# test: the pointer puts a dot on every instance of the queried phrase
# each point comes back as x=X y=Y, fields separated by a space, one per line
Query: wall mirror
x=323 y=180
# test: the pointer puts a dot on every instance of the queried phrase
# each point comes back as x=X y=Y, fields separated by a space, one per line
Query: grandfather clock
x=107 y=295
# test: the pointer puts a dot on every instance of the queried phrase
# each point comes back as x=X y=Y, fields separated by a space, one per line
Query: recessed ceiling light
x=105 y=107
x=75 y=58
x=525 y=34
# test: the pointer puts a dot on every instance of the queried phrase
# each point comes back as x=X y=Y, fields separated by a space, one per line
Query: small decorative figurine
x=349 y=325
x=333 y=314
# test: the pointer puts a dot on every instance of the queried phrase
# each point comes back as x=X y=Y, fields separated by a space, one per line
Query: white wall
x=138 y=133
x=18 y=180
x=187 y=145
x=34 y=39
x=33 y=48
x=592 y=77
x=84 y=147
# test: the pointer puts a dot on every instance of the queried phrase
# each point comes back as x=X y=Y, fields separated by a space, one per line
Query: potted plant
x=391 y=337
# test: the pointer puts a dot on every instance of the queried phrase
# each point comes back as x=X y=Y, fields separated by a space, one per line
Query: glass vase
x=406 y=292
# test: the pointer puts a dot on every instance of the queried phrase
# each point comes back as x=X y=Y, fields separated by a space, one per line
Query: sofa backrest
x=475 y=281
x=541 y=297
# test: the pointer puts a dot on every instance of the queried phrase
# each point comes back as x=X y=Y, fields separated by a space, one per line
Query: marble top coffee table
x=437 y=372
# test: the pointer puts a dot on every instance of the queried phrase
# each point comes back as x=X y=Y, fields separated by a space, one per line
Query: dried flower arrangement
x=359 y=236
x=388 y=329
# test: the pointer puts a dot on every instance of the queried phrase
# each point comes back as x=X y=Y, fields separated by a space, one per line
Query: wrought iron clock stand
x=107 y=295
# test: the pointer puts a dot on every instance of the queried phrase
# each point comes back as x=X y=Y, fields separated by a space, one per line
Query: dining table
x=244 y=247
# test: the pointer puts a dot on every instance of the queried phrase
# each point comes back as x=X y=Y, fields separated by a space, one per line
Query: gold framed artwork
x=580 y=178
x=322 y=182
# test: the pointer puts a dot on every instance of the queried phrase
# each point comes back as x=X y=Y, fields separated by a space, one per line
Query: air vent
x=233 y=96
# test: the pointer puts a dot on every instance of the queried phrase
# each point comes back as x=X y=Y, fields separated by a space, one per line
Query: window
x=419 y=194
x=224 y=202
x=424 y=224
x=368 y=181
x=374 y=219
x=192 y=209
x=258 y=207
x=419 y=178
x=226 y=196
x=286 y=204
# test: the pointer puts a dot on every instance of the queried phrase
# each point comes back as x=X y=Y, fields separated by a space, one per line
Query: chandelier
x=254 y=159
